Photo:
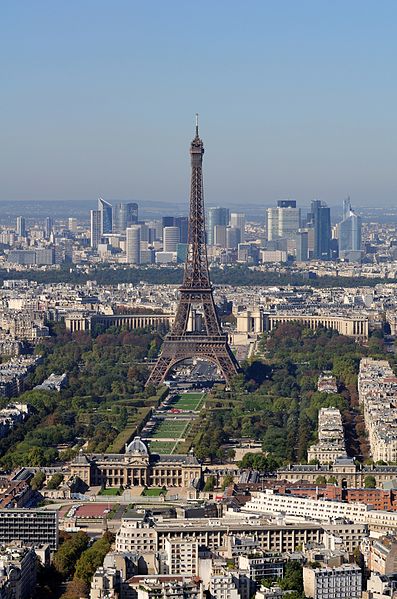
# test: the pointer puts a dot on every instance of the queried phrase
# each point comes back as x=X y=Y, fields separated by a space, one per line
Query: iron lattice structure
x=182 y=343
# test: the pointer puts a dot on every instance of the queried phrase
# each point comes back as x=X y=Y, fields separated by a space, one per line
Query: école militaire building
x=137 y=467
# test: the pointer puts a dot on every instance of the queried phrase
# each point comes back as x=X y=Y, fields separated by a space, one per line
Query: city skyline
x=294 y=101
x=198 y=316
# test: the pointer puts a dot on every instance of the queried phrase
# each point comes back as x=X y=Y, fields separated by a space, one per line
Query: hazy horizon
x=296 y=100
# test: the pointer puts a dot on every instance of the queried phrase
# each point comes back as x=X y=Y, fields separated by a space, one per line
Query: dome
x=136 y=446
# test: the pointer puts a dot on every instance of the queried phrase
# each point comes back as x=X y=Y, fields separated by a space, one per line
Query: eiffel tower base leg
x=216 y=351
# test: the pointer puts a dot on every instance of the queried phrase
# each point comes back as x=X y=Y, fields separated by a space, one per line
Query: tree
x=55 y=481
x=228 y=480
x=333 y=480
x=209 y=484
x=358 y=557
x=293 y=577
x=69 y=552
x=321 y=480
x=92 y=558
x=35 y=457
x=76 y=588
x=37 y=481
x=370 y=482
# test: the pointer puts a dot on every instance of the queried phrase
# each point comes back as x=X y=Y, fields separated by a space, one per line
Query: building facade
x=321 y=216
x=137 y=468
x=342 y=582
x=133 y=245
x=106 y=220
x=124 y=215
x=331 y=440
x=95 y=228
x=216 y=216
x=30 y=526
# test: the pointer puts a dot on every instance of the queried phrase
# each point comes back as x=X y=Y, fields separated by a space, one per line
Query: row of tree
x=106 y=377
x=228 y=275
x=276 y=400
x=74 y=563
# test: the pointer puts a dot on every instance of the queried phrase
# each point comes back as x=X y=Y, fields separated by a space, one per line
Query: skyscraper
x=168 y=221
x=233 y=237
x=182 y=222
x=219 y=236
x=95 y=228
x=72 y=224
x=283 y=222
x=133 y=244
x=286 y=203
x=272 y=223
x=177 y=221
x=106 y=216
x=21 y=226
x=321 y=216
x=124 y=215
x=216 y=216
x=237 y=219
x=346 y=207
x=302 y=246
x=349 y=230
x=171 y=238
x=48 y=227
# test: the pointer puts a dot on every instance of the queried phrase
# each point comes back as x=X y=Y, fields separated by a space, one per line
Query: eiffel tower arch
x=183 y=341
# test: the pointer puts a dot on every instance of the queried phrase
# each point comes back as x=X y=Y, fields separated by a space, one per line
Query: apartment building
x=18 y=567
x=327 y=383
x=331 y=440
x=342 y=582
x=224 y=586
x=377 y=389
x=30 y=526
x=136 y=534
x=181 y=557
x=260 y=565
x=269 y=502
x=382 y=555
x=105 y=583
x=165 y=587
x=11 y=415
x=139 y=533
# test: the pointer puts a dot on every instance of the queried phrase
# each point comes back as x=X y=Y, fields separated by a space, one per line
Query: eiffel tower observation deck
x=183 y=341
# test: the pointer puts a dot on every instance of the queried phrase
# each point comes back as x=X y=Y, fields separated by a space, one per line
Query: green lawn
x=155 y=492
x=189 y=401
x=110 y=491
x=162 y=447
x=170 y=429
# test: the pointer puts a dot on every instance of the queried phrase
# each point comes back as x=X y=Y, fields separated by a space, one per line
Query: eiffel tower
x=182 y=342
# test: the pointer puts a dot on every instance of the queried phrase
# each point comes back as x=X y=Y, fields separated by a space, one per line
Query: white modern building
x=171 y=238
x=283 y=222
x=237 y=220
x=270 y=502
x=133 y=245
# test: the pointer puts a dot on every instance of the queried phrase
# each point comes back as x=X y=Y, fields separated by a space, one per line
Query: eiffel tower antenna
x=183 y=341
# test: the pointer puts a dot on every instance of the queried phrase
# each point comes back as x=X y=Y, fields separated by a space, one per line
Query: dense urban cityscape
x=277 y=476
x=198 y=398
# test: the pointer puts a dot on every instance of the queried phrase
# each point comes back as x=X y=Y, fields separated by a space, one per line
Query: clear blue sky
x=296 y=99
